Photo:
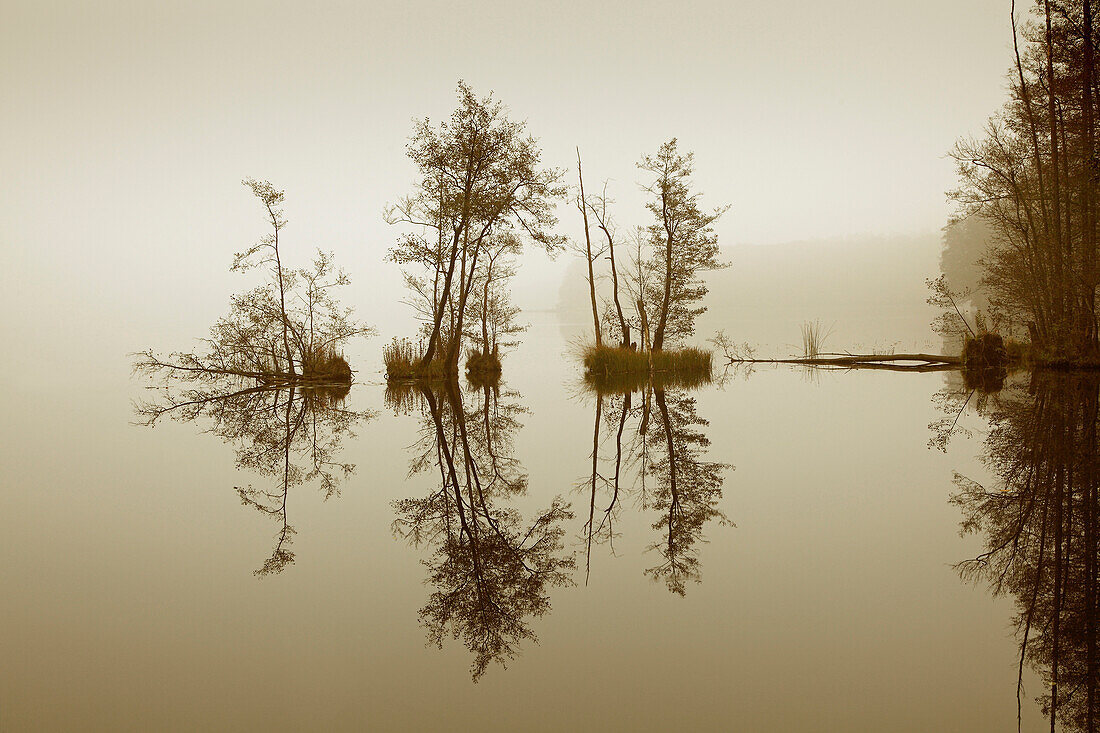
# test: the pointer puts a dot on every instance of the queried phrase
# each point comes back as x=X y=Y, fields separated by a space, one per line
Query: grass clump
x=620 y=360
x=324 y=364
x=483 y=369
x=814 y=335
x=686 y=362
x=483 y=364
x=615 y=368
x=402 y=359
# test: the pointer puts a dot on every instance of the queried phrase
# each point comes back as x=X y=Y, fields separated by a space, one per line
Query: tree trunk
x=623 y=325
x=588 y=253
x=454 y=350
x=282 y=295
x=459 y=233
x=662 y=320
x=1056 y=214
x=1089 y=197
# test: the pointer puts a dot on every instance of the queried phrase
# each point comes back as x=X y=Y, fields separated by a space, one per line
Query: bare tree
x=266 y=251
x=589 y=255
x=598 y=205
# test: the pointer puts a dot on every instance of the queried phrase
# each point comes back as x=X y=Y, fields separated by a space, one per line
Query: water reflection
x=662 y=463
x=490 y=567
x=980 y=389
x=1040 y=529
x=290 y=435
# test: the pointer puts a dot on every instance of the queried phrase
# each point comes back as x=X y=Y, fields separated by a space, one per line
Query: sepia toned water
x=811 y=534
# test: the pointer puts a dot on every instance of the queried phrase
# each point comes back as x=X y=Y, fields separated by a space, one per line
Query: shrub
x=1019 y=352
x=985 y=352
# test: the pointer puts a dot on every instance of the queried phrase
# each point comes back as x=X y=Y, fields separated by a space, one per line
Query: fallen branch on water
x=920 y=362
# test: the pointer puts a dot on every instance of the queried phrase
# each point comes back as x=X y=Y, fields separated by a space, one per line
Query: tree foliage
x=480 y=176
x=1032 y=177
x=683 y=241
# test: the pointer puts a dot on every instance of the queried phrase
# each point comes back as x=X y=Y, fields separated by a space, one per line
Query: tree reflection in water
x=291 y=434
x=1040 y=528
x=662 y=464
x=490 y=568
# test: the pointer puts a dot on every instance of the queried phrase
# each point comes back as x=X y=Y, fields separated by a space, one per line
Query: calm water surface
x=799 y=576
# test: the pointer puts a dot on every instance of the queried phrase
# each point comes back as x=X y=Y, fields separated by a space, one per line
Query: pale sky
x=126 y=127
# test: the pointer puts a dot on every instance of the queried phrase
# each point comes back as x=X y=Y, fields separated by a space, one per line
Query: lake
x=812 y=537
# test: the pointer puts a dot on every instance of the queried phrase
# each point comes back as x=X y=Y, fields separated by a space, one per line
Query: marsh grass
x=483 y=366
x=402 y=360
x=324 y=364
x=814 y=335
x=617 y=369
x=619 y=360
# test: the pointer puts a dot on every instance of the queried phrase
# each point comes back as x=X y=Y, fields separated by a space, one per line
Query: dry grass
x=402 y=359
x=614 y=368
x=814 y=335
x=482 y=365
x=326 y=365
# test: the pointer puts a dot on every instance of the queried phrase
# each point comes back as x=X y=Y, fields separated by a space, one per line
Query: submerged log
x=920 y=362
x=852 y=359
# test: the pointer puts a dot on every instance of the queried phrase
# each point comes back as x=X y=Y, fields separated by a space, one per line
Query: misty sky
x=126 y=127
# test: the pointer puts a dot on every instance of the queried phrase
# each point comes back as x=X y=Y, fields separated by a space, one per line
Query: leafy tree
x=1032 y=178
x=683 y=240
x=494 y=314
x=480 y=174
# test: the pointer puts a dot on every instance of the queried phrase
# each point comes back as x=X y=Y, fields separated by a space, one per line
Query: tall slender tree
x=589 y=254
x=683 y=239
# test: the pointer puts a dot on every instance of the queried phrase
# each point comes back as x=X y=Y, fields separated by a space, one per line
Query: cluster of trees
x=482 y=192
x=480 y=184
x=1040 y=524
x=489 y=566
x=662 y=281
x=1033 y=179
